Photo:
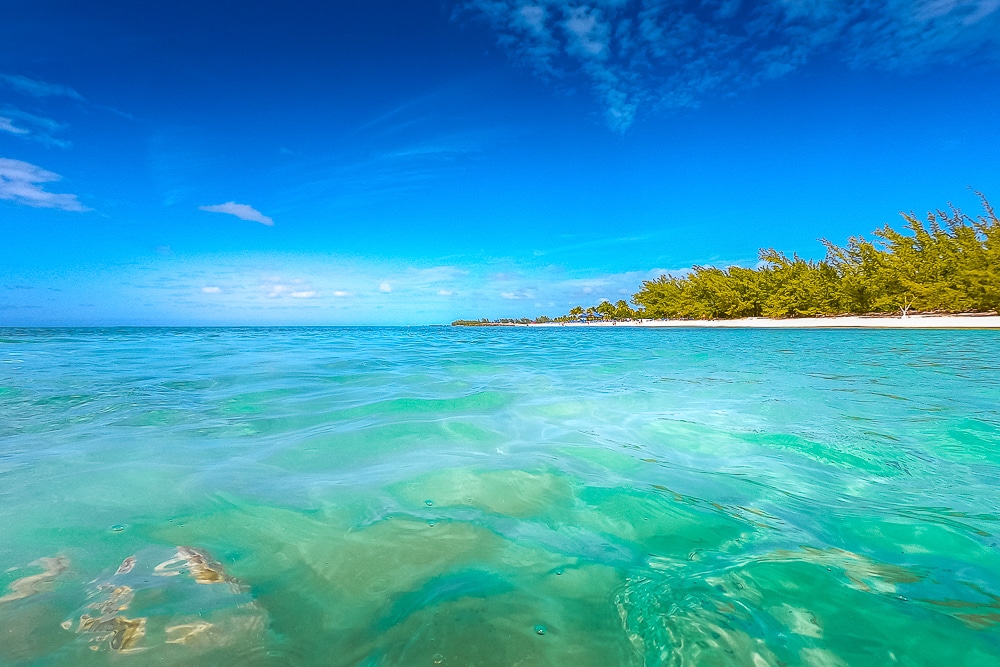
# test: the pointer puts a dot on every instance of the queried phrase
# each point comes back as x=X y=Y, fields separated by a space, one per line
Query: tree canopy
x=950 y=263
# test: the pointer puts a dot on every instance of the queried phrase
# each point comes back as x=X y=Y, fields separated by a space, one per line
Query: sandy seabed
x=853 y=322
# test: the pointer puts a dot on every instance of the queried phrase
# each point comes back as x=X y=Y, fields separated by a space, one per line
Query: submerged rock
x=181 y=634
x=200 y=619
x=36 y=583
x=108 y=625
x=198 y=565
x=127 y=565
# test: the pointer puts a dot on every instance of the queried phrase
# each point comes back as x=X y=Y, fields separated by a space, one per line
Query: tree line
x=949 y=264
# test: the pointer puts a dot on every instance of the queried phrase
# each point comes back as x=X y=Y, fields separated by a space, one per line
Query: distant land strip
x=944 y=270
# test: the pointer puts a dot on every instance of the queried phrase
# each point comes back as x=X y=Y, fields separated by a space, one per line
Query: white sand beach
x=967 y=321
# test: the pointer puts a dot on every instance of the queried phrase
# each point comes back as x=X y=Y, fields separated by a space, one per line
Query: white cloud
x=385 y=287
x=211 y=290
x=445 y=292
x=7 y=125
x=588 y=32
x=258 y=287
x=275 y=287
x=36 y=88
x=657 y=54
x=515 y=296
x=436 y=274
x=31 y=126
x=241 y=211
x=21 y=183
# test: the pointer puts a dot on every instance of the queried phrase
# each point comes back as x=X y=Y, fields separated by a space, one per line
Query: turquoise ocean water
x=439 y=496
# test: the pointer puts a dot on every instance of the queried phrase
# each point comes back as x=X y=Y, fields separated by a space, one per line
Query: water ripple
x=503 y=496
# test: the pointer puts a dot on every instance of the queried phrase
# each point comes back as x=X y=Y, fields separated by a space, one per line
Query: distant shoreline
x=969 y=321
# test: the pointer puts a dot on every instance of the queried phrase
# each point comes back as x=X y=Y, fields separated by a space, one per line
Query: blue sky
x=414 y=162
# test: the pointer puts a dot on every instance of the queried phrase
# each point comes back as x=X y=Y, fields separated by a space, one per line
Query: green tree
x=660 y=298
x=800 y=288
x=606 y=310
x=950 y=263
x=623 y=311
x=865 y=279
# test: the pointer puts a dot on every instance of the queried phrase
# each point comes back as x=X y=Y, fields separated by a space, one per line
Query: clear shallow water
x=499 y=497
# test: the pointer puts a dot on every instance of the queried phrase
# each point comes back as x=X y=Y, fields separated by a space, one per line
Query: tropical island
x=948 y=265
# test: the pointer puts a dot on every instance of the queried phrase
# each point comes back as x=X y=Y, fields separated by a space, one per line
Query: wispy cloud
x=241 y=211
x=275 y=287
x=406 y=166
x=385 y=288
x=436 y=274
x=655 y=54
x=37 y=88
x=404 y=149
x=31 y=126
x=23 y=183
x=515 y=296
x=7 y=125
